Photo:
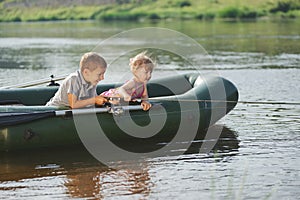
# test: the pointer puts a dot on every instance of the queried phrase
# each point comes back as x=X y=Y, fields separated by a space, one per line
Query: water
x=257 y=156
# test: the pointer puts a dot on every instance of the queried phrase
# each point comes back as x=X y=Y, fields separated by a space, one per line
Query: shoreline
x=157 y=10
x=229 y=20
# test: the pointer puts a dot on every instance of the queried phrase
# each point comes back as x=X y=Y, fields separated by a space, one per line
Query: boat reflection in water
x=78 y=174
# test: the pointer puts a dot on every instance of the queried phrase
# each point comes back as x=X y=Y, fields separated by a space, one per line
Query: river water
x=256 y=156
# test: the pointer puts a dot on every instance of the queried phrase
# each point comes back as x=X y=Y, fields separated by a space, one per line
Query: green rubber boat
x=183 y=105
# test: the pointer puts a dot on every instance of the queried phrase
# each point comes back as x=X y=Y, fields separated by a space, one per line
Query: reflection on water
x=109 y=183
x=74 y=172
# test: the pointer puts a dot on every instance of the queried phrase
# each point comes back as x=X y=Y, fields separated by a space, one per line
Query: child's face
x=143 y=74
x=93 y=77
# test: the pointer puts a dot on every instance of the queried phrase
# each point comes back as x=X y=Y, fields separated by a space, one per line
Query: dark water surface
x=256 y=157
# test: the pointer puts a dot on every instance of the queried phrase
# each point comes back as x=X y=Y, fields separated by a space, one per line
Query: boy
x=79 y=88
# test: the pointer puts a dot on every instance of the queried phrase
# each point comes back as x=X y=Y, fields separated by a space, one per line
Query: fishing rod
x=268 y=102
x=59 y=78
x=224 y=101
x=208 y=101
x=37 y=82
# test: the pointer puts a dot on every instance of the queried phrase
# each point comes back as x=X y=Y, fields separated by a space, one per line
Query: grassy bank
x=43 y=10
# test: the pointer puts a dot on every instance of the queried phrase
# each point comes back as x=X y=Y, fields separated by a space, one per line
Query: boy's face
x=93 y=77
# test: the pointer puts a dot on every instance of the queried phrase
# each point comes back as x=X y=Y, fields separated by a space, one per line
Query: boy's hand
x=146 y=105
x=100 y=100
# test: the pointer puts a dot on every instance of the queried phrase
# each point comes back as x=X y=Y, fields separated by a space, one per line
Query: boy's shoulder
x=73 y=78
x=74 y=75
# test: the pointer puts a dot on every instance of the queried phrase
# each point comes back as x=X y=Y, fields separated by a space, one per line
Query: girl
x=141 y=67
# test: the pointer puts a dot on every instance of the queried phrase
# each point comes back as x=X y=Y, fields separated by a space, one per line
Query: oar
x=35 y=83
x=13 y=118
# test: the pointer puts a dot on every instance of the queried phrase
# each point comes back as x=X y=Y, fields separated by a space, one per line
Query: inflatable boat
x=182 y=104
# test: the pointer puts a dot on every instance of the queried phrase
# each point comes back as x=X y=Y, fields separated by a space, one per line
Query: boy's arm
x=75 y=103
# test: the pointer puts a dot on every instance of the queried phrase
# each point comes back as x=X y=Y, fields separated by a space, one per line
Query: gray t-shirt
x=73 y=84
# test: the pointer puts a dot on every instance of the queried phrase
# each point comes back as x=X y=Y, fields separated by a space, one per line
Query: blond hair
x=141 y=60
x=91 y=61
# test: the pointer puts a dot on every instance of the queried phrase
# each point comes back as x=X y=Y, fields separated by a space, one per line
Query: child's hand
x=127 y=98
x=114 y=100
x=100 y=100
x=146 y=105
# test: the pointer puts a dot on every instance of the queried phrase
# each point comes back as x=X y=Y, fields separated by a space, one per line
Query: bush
x=121 y=16
x=205 y=16
x=281 y=7
x=122 y=1
x=246 y=13
x=16 y=19
x=184 y=4
x=286 y=6
x=154 y=16
x=230 y=12
x=199 y=16
x=209 y=16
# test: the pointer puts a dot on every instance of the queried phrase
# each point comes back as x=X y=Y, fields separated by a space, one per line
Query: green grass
x=151 y=9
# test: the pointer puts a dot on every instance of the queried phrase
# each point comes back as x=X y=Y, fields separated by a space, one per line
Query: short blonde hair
x=91 y=61
x=141 y=60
